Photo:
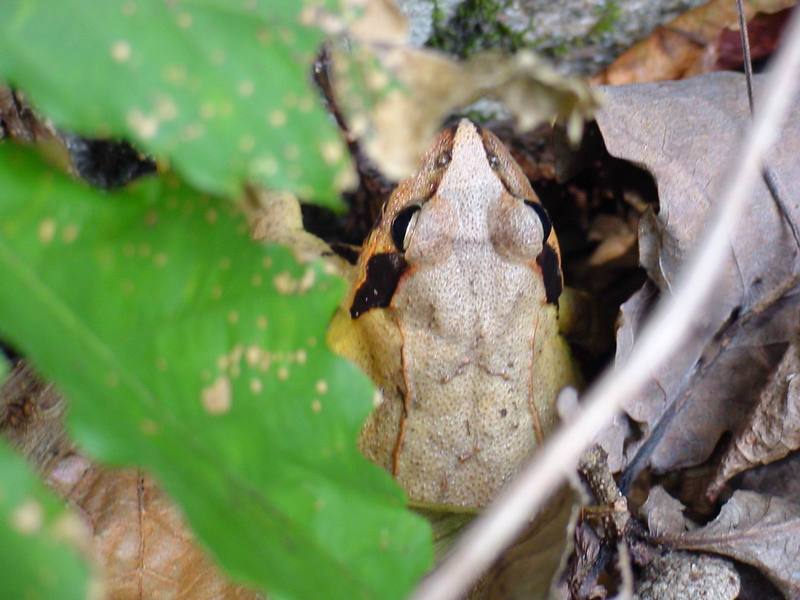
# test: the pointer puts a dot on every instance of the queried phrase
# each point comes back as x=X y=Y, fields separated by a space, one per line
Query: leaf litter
x=727 y=402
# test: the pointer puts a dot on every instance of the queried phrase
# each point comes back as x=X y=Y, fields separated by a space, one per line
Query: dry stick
x=672 y=320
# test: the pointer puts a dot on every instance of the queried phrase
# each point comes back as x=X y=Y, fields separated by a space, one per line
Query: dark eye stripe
x=383 y=275
x=547 y=224
x=551 y=274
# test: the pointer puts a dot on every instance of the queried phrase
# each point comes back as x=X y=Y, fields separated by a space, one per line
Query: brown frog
x=454 y=315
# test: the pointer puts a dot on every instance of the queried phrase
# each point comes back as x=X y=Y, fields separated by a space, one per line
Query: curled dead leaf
x=772 y=431
x=381 y=82
x=685 y=46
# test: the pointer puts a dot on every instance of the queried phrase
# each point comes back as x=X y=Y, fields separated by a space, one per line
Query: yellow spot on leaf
x=246 y=88
x=218 y=57
x=308 y=279
x=120 y=51
x=283 y=373
x=148 y=427
x=247 y=143
x=253 y=355
x=284 y=283
x=28 y=517
x=321 y=386
x=265 y=165
x=217 y=397
x=161 y=364
x=261 y=322
x=255 y=385
x=216 y=292
x=331 y=152
x=192 y=132
x=301 y=356
x=207 y=110
x=316 y=406
x=160 y=260
x=211 y=216
x=175 y=74
x=47 y=230
x=129 y=9
x=166 y=108
x=277 y=118
x=266 y=262
x=184 y=20
x=264 y=36
x=143 y=125
x=233 y=317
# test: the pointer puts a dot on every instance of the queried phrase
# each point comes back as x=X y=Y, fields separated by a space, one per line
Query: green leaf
x=37 y=558
x=4 y=369
x=219 y=87
x=187 y=348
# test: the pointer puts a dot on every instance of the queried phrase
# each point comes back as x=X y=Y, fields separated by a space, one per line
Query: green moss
x=474 y=26
x=608 y=15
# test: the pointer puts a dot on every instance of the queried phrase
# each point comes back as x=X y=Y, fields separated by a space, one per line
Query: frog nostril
x=494 y=162
x=403 y=226
x=444 y=159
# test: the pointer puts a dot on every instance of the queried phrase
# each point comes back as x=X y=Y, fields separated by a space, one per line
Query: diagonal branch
x=669 y=326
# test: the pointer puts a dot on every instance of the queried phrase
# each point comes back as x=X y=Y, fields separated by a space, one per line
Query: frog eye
x=547 y=225
x=403 y=226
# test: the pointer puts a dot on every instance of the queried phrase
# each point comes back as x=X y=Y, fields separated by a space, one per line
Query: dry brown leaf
x=275 y=217
x=397 y=132
x=781 y=478
x=762 y=531
x=381 y=82
x=773 y=430
x=663 y=513
x=676 y=50
x=681 y=131
x=138 y=536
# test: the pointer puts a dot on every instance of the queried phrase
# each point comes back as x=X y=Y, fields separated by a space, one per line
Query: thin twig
x=748 y=62
x=671 y=323
x=767 y=173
